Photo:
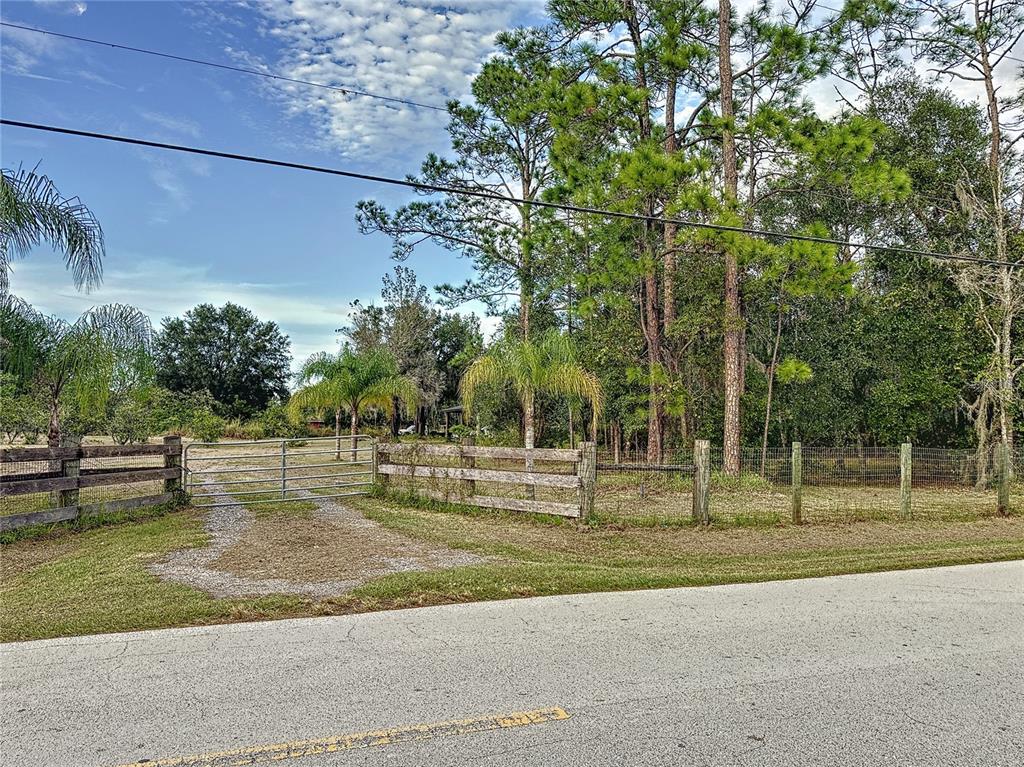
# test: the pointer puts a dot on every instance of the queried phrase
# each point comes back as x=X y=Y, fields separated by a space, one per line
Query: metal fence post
x=1003 y=501
x=284 y=469
x=374 y=448
x=587 y=471
x=797 y=482
x=906 y=469
x=69 y=467
x=172 y=460
x=701 y=480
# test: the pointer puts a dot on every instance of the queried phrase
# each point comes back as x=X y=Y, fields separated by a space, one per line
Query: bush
x=130 y=421
x=276 y=421
x=21 y=415
x=207 y=426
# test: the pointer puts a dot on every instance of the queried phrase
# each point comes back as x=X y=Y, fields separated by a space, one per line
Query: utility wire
x=243 y=70
x=486 y=195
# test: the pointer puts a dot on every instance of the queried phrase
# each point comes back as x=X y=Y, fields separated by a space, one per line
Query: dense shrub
x=207 y=426
x=131 y=421
x=21 y=414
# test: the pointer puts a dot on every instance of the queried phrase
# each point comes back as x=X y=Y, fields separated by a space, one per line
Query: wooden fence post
x=701 y=480
x=467 y=487
x=1003 y=501
x=69 y=467
x=797 y=481
x=906 y=477
x=587 y=470
x=173 y=460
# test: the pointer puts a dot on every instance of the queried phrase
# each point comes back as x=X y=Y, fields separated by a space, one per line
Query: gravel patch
x=223 y=568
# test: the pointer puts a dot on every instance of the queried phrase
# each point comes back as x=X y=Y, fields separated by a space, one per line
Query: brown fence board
x=507 y=504
x=68 y=513
x=21 y=487
x=12 y=454
x=128 y=477
x=571 y=481
x=477 y=451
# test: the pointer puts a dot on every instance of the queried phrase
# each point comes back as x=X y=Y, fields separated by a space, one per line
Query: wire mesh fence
x=108 y=466
x=837 y=484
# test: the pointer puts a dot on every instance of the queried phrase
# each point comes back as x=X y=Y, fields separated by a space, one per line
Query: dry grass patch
x=316 y=550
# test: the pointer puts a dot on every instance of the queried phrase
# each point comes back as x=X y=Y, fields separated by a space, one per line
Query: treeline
x=221 y=372
x=678 y=108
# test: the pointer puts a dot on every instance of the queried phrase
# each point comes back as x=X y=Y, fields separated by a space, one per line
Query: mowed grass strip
x=97 y=581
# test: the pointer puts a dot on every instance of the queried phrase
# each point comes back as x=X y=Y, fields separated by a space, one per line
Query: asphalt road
x=913 y=668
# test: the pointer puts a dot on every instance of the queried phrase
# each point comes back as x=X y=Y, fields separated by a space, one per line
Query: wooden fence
x=582 y=481
x=64 y=478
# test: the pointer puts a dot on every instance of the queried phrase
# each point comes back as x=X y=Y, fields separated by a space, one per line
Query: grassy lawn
x=96 y=581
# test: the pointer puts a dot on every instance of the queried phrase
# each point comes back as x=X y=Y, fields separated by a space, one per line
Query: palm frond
x=486 y=371
x=548 y=365
x=33 y=211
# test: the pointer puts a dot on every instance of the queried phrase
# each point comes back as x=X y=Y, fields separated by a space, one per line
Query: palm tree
x=105 y=351
x=547 y=366
x=33 y=211
x=355 y=382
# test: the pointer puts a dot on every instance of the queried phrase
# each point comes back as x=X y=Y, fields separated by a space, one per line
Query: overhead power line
x=230 y=68
x=484 y=194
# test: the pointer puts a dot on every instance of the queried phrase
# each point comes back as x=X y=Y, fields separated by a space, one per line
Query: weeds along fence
x=824 y=483
x=42 y=485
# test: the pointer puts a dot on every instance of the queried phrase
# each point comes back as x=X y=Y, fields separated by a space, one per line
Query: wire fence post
x=172 y=460
x=69 y=467
x=906 y=469
x=1003 y=501
x=797 y=482
x=701 y=480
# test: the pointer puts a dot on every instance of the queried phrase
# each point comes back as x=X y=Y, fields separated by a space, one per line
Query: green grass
x=100 y=584
x=568 y=560
x=96 y=581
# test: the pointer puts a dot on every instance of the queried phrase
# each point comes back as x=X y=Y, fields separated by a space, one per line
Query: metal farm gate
x=278 y=470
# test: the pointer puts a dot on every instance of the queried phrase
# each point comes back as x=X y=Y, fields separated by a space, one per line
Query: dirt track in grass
x=320 y=553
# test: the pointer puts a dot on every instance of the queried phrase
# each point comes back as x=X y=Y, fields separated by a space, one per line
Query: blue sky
x=182 y=230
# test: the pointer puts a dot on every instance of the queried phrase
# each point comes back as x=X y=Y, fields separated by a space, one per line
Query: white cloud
x=162 y=288
x=413 y=49
x=171 y=123
x=63 y=6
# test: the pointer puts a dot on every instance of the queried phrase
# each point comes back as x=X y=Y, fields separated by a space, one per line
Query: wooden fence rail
x=64 y=478
x=467 y=474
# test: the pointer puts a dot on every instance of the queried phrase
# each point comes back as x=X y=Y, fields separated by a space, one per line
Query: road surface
x=912 y=668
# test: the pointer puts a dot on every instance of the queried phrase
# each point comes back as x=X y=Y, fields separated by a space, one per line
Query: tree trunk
x=53 y=430
x=771 y=382
x=572 y=434
x=668 y=286
x=655 y=406
x=337 y=434
x=395 y=416
x=733 y=315
x=354 y=430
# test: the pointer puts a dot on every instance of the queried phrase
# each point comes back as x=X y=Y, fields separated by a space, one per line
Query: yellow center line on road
x=279 y=752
